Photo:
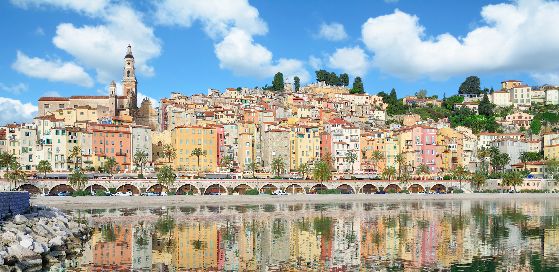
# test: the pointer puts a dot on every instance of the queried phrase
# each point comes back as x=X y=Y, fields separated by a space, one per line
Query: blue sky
x=64 y=47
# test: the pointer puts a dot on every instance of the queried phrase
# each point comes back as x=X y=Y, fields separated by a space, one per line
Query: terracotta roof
x=51 y=98
x=88 y=97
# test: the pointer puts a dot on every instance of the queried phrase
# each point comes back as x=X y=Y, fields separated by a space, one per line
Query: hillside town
x=286 y=129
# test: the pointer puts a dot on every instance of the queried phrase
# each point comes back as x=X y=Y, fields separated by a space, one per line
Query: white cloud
x=218 y=17
x=154 y=102
x=515 y=37
x=332 y=32
x=52 y=70
x=85 y=6
x=232 y=25
x=352 y=60
x=102 y=47
x=12 y=110
x=240 y=54
x=14 y=89
x=315 y=62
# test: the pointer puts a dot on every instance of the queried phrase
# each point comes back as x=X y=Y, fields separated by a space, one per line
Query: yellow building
x=78 y=116
x=188 y=138
x=551 y=145
x=247 y=143
x=305 y=145
x=450 y=149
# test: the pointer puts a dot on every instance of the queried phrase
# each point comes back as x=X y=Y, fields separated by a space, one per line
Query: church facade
x=124 y=107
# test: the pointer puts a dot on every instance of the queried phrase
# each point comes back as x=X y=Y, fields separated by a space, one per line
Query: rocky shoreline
x=40 y=238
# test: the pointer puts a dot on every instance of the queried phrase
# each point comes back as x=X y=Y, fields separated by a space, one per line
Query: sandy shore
x=145 y=201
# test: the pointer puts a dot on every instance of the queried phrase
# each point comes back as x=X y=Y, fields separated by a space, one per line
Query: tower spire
x=129 y=52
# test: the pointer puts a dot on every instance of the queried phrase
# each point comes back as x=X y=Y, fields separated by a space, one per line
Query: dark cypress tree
x=277 y=84
x=485 y=106
x=297 y=83
x=357 y=86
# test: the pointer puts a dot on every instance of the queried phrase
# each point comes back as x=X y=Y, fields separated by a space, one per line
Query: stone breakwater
x=40 y=238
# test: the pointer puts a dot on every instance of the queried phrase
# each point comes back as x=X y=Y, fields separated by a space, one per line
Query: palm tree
x=482 y=155
x=377 y=156
x=478 y=179
x=400 y=160
x=304 y=169
x=198 y=152
x=389 y=172
x=251 y=167
x=278 y=166
x=44 y=166
x=140 y=159
x=422 y=169
x=15 y=174
x=460 y=173
x=513 y=178
x=322 y=171
x=77 y=179
x=6 y=159
x=75 y=153
x=351 y=157
x=226 y=161
x=169 y=151
x=166 y=176
x=109 y=166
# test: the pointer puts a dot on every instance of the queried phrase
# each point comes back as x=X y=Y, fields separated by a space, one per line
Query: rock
x=20 y=219
x=56 y=241
x=39 y=247
x=26 y=242
x=9 y=236
x=20 y=252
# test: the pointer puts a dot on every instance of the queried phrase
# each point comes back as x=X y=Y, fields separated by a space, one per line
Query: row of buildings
x=245 y=129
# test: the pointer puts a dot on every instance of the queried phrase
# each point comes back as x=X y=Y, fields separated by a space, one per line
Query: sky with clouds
x=76 y=47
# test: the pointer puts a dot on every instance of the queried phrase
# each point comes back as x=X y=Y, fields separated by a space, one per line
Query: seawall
x=12 y=203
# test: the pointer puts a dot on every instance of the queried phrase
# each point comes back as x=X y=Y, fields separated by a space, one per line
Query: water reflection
x=452 y=235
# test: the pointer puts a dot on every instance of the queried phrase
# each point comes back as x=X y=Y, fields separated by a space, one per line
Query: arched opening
x=61 y=188
x=241 y=189
x=128 y=188
x=32 y=189
x=95 y=188
x=392 y=188
x=268 y=189
x=438 y=189
x=416 y=188
x=369 y=189
x=317 y=188
x=188 y=189
x=157 y=188
x=215 y=189
x=345 y=189
x=295 y=189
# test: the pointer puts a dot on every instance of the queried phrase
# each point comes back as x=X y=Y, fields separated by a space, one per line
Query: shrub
x=391 y=191
x=80 y=193
x=112 y=191
x=329 y=192
x=252 y=192
x=405 y=191
x=100 y=193
x=447 y=177
x=141 y=176
x=457 y=191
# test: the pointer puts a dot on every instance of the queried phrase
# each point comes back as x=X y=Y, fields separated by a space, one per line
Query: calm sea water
x=411 y=236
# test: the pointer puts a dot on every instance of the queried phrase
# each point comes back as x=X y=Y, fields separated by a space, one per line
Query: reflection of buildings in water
x=161 y=254
x=197 y=246
x=142 y=248
x=113 y=250
x=247 y=245
x=305 y=244
x=231 y=246
x=346 y=246
x=551 y=243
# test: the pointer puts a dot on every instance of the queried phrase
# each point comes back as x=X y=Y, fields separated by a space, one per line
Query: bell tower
x=129 y=83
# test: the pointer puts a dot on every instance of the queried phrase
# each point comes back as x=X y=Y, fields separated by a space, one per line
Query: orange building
x=114 y=250
x=111 y=141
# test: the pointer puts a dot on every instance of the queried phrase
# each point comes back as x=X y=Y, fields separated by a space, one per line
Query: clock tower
x=129 y=83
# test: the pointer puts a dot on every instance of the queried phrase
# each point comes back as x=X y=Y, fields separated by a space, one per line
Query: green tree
x=389 y=172
x=485 y=106
x=357 y=87
x=166 y=176
x=421 y=93
x=499 y=160
x=277 y=83
x=513 y=178
x=351 y=158
x=198 y=152
x=140 y=159
x=169 y=152
x=344 y=79
x=552 y=169
x=278 y=166
x=44 y=166
x=251 y=167
x=478 y=179
x=530 y=157
x=460 y=173
x=377 y=157
x=322 y=172
x=109 y=165
x=304 y=169
x=227 y=161
x=297 y=83
x=401 y=161
x=6 y=159
x=75 y=155
x=333 y=79
x=536 y=126
x=449 y=102
x=470 y=86
x=321 y=76
x=422 y=169
x=77 y=179
x=14 y=174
